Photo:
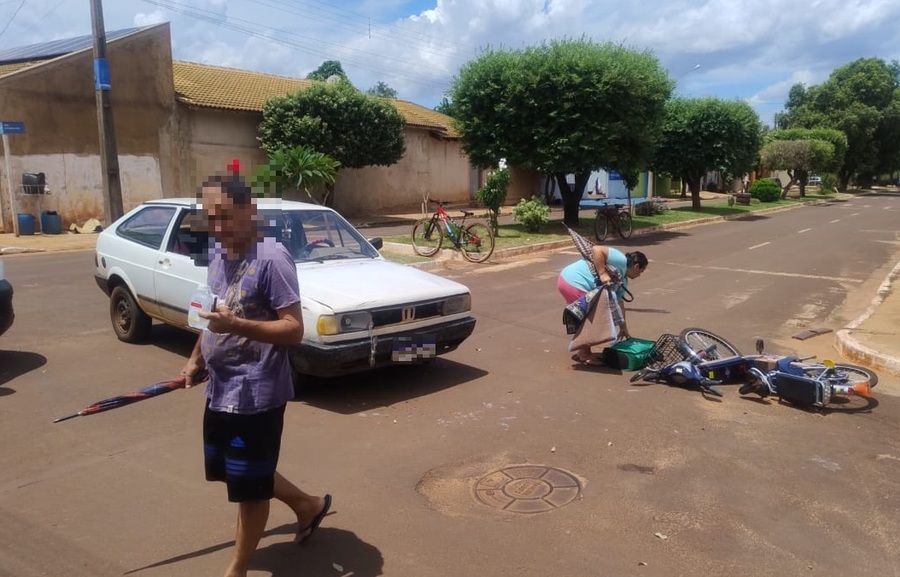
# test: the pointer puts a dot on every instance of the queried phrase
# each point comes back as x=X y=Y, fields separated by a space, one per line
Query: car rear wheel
x=131 y=324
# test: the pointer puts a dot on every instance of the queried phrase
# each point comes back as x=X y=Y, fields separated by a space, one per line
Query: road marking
x=834 y=221
x=764 y=272
x=855 y=214
x=804 y=230
x=759 y=245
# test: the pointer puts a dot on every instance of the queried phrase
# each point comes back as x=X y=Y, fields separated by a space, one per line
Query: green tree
x=862 y=99
x=493 y=195
x=704 y=134
x=445 y=107
x=336 y=120
x=382 y=90
x=564 y=107
x=326 y=70
x=811 y=150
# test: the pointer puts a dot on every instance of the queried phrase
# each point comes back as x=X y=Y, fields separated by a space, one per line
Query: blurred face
x=635 y=271
x=231 y=224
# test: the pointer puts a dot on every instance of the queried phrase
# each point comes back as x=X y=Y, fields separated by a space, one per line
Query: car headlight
x=343 y=323
x=457 y=304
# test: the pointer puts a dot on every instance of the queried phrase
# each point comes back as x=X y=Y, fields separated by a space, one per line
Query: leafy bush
x=765 y=190
x=532 y=213
x=829 y=183
x=493 y=194
x=299 y=168
x=650 y=208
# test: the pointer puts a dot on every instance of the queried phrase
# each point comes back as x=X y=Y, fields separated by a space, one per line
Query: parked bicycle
x=475 y=241
x=613 y=217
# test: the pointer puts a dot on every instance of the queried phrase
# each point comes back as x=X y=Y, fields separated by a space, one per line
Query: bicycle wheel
x=699 y=340
x=626 y=225
x=849 y=374
x=427 y=237
x=601 y=226
x=476 y=242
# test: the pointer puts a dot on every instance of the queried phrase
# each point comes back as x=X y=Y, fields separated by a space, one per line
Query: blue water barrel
x=51 y=222
x=26 y=224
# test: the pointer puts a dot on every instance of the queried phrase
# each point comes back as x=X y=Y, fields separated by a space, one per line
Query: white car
x=814 y=181
x=360 y=311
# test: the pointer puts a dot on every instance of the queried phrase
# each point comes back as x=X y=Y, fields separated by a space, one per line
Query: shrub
x=532 y=213
x=493 y=194
x=650 y=208
x=829 y=183
x=765 y=190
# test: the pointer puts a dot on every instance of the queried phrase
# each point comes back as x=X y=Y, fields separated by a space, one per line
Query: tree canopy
x=862 y=99
x=800 y=151
x=382 y=90
x=336 y=120
x=562 y=107
x=326 y=70
x=700 y=135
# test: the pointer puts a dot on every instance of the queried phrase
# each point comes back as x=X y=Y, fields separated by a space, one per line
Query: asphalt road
x=671 y=483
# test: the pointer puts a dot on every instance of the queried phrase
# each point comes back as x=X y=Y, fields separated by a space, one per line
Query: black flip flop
x=317 y=520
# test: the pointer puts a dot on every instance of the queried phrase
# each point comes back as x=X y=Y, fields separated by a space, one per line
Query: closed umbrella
x=126 y=399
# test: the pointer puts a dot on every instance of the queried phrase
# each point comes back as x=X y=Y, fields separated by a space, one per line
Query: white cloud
x=155 y=17
x=752 y=50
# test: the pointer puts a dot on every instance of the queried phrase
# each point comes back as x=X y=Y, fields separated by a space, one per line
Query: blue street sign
x=12 y=128
x=101 y=74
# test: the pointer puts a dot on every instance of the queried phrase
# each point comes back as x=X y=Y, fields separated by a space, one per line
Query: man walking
x=244 y=353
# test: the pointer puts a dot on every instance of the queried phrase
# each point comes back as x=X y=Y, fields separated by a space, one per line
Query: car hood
x=364 y=284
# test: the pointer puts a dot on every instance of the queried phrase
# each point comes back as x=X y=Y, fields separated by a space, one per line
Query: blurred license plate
x=407 y=350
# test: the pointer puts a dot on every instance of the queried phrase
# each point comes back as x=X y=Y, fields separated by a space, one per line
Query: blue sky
x=753 y=50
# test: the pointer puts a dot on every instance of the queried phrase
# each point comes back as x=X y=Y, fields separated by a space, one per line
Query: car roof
x=264 y=203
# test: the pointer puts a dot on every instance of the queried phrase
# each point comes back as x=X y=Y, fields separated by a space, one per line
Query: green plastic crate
x=628 y=355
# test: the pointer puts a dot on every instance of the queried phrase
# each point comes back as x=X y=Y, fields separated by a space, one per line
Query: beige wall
x=57 y=102
x=523 y=183
x=430 y=166
x=211 y=139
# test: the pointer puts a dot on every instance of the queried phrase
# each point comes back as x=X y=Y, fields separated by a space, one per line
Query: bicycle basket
x=665 y=352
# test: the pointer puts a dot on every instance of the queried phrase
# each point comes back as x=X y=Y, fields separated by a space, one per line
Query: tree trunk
x=694 y=182
x=844 y=181
x=572 y=198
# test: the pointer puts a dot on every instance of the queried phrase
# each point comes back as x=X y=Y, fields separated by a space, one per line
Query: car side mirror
x=377 y=242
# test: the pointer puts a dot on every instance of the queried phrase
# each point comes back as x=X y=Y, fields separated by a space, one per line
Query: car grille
x=397 y=315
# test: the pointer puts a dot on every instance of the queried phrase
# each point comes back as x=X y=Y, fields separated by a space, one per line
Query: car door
x=181 y=266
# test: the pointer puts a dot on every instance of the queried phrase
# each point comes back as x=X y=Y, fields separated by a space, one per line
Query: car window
x=148 y=226
x=316 y=235
x=191 y=237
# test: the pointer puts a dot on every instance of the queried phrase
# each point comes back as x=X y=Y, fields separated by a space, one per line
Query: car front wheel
x=131 y=324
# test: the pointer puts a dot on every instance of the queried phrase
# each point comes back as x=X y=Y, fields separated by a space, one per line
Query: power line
x=279 y=37
x=13 y=18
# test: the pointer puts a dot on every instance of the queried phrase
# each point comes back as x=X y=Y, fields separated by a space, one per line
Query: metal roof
x=48 y=50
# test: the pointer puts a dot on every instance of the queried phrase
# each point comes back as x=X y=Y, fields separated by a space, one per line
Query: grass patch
x=404 y=258
x=515 y=235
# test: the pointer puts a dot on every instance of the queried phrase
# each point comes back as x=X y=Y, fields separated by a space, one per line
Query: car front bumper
x=335 y=359
x=7 y=316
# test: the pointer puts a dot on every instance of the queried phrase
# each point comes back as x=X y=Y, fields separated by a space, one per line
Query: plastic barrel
x=51 y=223
x=26 y=224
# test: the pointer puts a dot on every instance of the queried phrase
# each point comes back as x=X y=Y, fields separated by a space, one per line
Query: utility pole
x=109 y=154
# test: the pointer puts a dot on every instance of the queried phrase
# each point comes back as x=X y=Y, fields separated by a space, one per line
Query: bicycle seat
x=467 y=213
x=440 y=202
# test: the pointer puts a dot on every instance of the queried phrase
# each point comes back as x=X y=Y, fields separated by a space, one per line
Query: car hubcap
x=123 y=315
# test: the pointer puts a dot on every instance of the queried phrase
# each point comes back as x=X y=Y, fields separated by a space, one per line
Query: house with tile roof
x=177 y=122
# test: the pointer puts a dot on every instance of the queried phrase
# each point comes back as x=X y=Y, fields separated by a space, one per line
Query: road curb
x=851 y=348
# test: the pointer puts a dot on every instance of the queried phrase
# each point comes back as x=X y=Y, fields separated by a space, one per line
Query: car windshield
x=315 y=235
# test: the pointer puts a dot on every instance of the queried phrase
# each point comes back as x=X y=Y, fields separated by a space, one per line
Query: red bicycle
x=476 y=241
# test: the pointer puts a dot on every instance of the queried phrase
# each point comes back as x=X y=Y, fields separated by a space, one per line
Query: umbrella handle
x=200 y=377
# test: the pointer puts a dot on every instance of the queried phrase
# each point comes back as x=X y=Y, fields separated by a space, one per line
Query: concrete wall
x=57 y=102
x=211 y=139
x=431 y=166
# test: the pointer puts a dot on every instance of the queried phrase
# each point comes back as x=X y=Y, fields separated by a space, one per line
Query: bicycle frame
x=444 y=217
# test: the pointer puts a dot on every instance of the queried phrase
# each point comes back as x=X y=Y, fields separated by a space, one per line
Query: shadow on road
x=330 y=546
x=363 y=392
x=14 y=364
x=177 y=341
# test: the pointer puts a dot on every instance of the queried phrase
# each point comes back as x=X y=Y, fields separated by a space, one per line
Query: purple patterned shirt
x=247 y=376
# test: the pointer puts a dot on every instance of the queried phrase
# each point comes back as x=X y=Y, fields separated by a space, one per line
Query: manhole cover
x=527 y=489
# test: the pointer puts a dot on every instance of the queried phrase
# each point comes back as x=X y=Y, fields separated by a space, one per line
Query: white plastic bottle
x=202 y=300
